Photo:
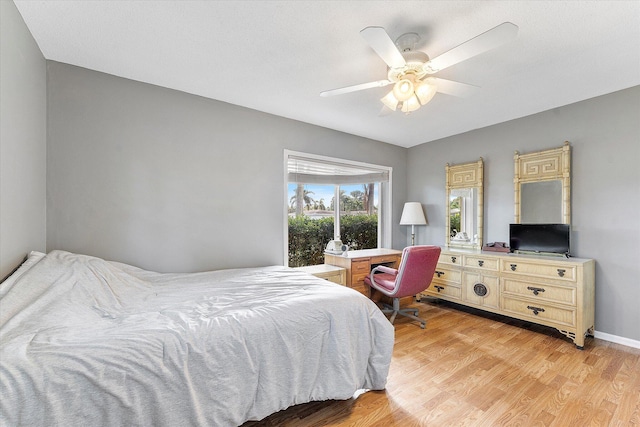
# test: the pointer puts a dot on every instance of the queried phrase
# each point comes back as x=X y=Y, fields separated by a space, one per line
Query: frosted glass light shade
x=409 y=93
x=410 y=104
x=426 y=90
x=412 y=214
x=390 y=101
x=403 y=89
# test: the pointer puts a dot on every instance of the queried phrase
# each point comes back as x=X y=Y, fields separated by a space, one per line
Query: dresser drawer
x=481 y=262
x=359 y=267
x=447 y=275
x=540 y=291
x=481 y=290
x=540 y=268
x=448 y=258
x=538 y=311
x=440 y=289
x=385 y=259
x=358 y=279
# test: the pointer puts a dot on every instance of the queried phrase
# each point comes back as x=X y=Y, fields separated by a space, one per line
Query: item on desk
x=336 y=247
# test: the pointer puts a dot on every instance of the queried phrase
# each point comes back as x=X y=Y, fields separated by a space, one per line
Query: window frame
x=384 y=205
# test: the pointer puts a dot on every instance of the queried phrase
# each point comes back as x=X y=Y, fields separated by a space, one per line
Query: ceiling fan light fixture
x=425 y=90
x=390 y=101
x=411 y=104
x=403 y=89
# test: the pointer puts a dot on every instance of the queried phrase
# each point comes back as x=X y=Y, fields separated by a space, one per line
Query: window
x=329 y=198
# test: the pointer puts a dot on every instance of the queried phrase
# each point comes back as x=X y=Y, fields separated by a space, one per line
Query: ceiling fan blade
x=486 y=41
x=362 y=86
x=382 y=44
x=458 y=89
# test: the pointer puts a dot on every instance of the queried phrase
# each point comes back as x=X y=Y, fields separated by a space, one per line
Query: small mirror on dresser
x=542 y=185
x=464 y=207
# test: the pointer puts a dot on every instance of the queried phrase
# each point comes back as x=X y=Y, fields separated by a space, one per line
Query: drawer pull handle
x=480 y=262
x=535 y=291
x=453 y=259
x=561 y=272
x=480 y=289
x=439 y=288
x=535 y=310
x=439 y=273
x=513 y=267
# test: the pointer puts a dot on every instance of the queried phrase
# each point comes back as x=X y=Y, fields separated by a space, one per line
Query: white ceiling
x=277 y=56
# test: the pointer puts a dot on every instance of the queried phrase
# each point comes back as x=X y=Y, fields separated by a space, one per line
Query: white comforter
x=95 y=343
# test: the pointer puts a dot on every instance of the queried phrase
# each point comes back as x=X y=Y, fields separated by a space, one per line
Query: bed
x=84 y=341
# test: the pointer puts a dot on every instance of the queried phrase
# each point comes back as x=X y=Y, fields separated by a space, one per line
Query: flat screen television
x=540 y=238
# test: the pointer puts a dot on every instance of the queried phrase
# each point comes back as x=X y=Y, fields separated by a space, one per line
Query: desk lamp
x=413 y=215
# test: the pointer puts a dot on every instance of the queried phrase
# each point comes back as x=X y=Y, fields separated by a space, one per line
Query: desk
x=359 y=263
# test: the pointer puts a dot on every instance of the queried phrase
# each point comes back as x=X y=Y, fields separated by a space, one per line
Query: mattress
x=86 y=342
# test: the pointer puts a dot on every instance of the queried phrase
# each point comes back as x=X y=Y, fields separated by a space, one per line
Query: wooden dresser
x=359 y=263
x=552 y=291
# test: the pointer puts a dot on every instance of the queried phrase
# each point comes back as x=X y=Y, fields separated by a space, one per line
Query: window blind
x=302 y=170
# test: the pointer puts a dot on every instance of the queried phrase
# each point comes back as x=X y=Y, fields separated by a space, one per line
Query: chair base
x=411 y=313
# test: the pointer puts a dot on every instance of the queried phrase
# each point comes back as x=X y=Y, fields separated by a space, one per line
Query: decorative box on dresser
x=553 y=291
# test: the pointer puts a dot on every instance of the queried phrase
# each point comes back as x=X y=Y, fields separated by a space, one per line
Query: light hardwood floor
x=471 y=368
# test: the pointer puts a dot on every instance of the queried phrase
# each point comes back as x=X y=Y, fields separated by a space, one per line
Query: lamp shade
x=410 y=104
x=390 y=101
x=426 y=90
x=412 y=214
x=410 y=93
x=403 y=89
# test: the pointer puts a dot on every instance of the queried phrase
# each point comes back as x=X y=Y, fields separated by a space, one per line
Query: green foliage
x=455 y=224
x=307 y=240
x=454 y=208
x=359 y=231
x=308 y=237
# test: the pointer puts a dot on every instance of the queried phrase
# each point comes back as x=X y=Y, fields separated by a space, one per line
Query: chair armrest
x=385 y=269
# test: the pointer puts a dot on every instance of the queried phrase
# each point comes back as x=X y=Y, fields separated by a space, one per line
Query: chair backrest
x=416 y=270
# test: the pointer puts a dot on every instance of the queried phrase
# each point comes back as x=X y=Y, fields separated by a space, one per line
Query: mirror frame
x=547 y=165
x=467 y=175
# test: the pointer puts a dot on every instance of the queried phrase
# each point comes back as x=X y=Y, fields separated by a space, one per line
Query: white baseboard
x=616 y=339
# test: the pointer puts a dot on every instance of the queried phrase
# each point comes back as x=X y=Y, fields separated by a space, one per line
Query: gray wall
x=169 y=181
x=145 y=175
x=604 y=133
x=23 y=115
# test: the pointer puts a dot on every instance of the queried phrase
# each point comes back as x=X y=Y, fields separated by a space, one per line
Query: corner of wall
x=22 y=141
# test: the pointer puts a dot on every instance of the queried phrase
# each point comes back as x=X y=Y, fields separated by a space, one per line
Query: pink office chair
x=413 y=276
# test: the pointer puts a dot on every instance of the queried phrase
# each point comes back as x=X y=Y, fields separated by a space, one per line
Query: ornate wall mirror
x=464 y=204
x=543 y=186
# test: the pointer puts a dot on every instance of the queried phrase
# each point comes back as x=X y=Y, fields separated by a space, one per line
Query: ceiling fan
x=413 y=73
